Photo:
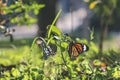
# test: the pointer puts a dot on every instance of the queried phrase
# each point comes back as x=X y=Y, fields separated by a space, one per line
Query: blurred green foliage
x=25 y=12
x=106 y=11
x=30 y=64
x=27 y=63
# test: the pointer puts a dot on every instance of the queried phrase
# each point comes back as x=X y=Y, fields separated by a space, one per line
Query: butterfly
x=47 y=50
x=75 y=49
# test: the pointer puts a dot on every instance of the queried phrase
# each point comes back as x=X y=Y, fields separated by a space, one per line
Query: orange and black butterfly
x=75 y=49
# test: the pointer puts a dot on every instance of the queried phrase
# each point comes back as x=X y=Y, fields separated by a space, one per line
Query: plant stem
x=104 y=29
x=33 y=43
x=54 y=22
x=65 y=62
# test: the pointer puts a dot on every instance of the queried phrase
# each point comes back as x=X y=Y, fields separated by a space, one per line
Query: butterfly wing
x=79 y=47
x=72 y=50
x=75 y=49
x=47 y=50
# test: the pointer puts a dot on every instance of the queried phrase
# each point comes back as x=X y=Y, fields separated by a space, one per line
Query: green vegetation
x=28 y=63
x=25 y=59
x=24 y=63
x=20 y=13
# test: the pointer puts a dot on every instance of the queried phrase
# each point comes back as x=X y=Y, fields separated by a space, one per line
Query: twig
x=65 y=62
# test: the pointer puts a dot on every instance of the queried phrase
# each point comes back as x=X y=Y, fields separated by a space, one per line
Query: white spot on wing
x=84 y=47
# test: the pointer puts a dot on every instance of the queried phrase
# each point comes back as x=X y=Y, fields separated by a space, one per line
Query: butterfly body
x=47 y=50
x=75 y=49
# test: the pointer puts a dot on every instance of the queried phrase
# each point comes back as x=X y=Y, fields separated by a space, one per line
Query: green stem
x=65 y=63
x=49 y=40
x=54 y=22
x=33 y=43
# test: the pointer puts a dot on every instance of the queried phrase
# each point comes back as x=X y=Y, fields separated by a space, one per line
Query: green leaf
x=15 y=72
x=36 y=11
x=97 y=62
x=18 y=10
x=56 y=31
x=84 y=77
x=116 y=73
x=32 y=20
x=6 y=73
x=12 y=6
x=64 y=45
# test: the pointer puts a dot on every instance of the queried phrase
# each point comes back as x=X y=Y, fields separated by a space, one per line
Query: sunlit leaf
x=116 y=73
x=97 y=62
x=93 y=4
x=64 y=45
x=56 y=31
x=15 y=72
